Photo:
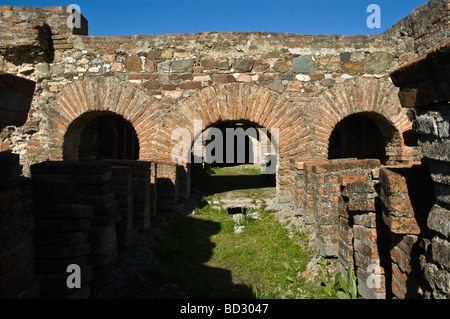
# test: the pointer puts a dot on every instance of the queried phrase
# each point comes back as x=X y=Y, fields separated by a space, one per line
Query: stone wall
x=425 y=91
x=362 y=213
x=162 y=82
x=428 y=24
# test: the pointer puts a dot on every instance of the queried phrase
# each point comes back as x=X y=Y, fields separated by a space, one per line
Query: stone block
x=243 y=65
x=182 y=65
x=439 y=220
x=378 y=62
x=303 y=64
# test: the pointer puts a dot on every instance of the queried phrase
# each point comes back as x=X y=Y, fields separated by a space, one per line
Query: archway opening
x=364 y=135
x=234 y=155
x=101 y=135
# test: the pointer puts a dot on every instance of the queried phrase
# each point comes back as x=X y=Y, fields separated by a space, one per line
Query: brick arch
x=97 y=95
x=376 y=98
x=239 y=102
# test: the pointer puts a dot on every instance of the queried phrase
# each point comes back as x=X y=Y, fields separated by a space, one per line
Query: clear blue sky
x=112 y=17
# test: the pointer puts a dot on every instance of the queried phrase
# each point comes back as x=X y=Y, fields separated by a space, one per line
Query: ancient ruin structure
x=86 y=141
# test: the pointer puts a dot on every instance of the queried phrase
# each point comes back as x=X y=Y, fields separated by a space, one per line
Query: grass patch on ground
x=202 y=257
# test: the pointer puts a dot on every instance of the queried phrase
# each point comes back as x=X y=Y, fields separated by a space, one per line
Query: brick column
x=407 y=198
x=134 y=189
x=327 y=195
x=370 y=238
x=122 y=178
x=61 y=232
x=94 y=185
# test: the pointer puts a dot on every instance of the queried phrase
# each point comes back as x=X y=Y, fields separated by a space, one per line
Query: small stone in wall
x=303 y=64
x=116 y=67
x=351 y=66
x=133 y=64
x=223 y=65
x=208 y=64
x=303 y=77
x=182 y=65
x=167 y=54
x=328 y=82
x=243 y=65
x=244 y=78
x=271 y=55
x=260 y=66
x=345 y=56
x=94 y=69
x=280 y=66
x=378 y=62
x=108 y=58
x=277 y=86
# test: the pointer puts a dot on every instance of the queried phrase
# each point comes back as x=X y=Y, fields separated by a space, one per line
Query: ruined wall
x=371 y=218
x=163 y=82
x=428 y=24
x=425 y=91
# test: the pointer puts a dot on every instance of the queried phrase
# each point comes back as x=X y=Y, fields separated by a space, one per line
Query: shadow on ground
x=184 y=246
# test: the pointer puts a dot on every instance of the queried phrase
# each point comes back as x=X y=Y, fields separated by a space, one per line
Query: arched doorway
x=238 y=154
x=101 y=135
x=363 y=135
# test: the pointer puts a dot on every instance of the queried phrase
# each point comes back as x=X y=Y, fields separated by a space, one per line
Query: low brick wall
x=319 y=196
x=85 y=212
x=370 y=218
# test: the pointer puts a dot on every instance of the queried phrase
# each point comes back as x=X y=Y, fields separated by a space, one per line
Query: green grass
x=204 y=258
x=201 y=257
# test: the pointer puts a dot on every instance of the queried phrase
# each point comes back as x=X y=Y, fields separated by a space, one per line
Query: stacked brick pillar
x=407 y=198
x=364 y=240
x=62 y=230
x=76 y=212
x=318 y=196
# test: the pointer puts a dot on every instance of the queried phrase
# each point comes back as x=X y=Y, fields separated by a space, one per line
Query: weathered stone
x=377 y=62
x=167 y=54
x=133 y=64
x=182 y=64
x=303 y=64
x=116 y=67
x=277 y=86
x=303 y=77
x=345 y=56
x=281 y=66
x=330 y=63
x=224 y=65
x=208 y=64
x=260 y=66
x=243 y=65
x=271 y=55
x=154 y=54
x=328 y=82
x=351 y=66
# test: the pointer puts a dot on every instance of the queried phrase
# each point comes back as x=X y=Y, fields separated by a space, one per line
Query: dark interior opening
x=106 y=136
x=358 y=136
